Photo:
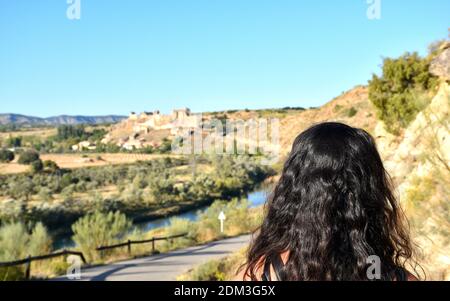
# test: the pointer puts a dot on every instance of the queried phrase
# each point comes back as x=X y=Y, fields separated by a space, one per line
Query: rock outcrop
x=419 y=161
x=440 y=66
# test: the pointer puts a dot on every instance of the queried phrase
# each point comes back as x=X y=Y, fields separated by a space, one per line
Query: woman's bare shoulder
x=411 y=277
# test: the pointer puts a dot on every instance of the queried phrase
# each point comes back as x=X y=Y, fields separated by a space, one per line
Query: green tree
x=6 y=156
x=398 y=94
x=51 y=166
x=165 y=147
x=37 y=166
x=28 y=157
x=14 y=141
x=97 y=135
x=65 y=132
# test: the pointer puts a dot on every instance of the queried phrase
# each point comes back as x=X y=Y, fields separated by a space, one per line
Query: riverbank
x=143 y=191
x=256 y=197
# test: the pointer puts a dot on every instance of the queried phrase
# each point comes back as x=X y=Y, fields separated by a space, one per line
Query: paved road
x=165 y=266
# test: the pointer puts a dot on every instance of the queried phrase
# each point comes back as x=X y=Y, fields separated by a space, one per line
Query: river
x=256 y=198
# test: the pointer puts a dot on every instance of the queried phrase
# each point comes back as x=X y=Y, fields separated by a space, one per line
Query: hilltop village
x=146 y=129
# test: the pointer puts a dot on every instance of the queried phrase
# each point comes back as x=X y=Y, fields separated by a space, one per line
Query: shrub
x=99 y=229
x=22 y=188
x=14 y=273
x=45 y=194
x=37 y=166
x=165 y=147
x=16 y=243
x=13 y=241
x=337 y=108
x=6 y=156
x=138 y=249
x=398 y=93
x=39 y=241
x=209 y=271
x=51 y=165
x=351 y=112
x=28 y=157
x=237 y=221
x=59 y=266
x=216 y=270
x=179 y=226
x=14 y=141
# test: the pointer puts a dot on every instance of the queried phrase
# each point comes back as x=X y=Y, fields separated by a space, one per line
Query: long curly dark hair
x=331 y=209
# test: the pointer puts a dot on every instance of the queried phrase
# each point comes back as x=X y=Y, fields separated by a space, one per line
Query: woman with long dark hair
x=331 y=212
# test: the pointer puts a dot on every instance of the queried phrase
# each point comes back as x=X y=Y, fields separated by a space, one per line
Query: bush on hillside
x=351 y=112
x=399 y=93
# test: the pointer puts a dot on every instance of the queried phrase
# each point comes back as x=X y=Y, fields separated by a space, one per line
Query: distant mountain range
x=18 y=119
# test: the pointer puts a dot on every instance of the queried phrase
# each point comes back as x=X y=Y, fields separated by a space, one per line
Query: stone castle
x=147 y=128
x=147 y=121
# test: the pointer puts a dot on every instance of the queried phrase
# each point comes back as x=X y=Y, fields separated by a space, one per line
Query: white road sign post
x=221 y=217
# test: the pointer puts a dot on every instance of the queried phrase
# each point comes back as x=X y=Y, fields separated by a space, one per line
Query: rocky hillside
x=419 y=162
x=352 y=107
x=17 y=119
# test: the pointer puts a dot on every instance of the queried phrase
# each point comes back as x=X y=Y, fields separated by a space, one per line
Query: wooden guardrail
x=132 y=242
x=27 y=261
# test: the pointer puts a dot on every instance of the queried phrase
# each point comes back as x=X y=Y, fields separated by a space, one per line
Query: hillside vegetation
x=141 y=190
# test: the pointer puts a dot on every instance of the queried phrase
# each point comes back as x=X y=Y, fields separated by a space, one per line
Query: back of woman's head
x=332 y=208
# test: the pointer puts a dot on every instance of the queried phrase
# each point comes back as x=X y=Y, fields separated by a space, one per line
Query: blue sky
x=124 y=56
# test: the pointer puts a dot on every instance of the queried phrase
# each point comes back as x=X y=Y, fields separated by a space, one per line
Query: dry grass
x=293 y=122
x=224 y=269
x=335 y=110
x=80 y=160
x=13 y=168
x=38 y=132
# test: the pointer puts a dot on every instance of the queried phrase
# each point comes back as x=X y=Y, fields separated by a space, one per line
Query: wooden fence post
x=129 y=247
x=28 y=268
x=153 y=245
